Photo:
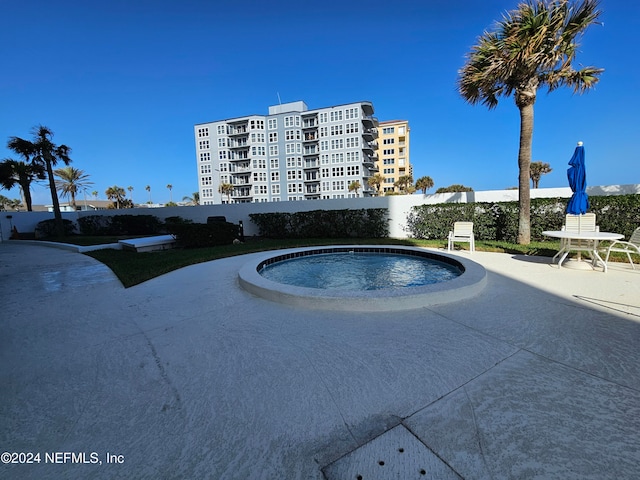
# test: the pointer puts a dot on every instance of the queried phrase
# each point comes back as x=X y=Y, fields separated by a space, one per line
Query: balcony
x=370 y=134
x=311 y=150
x=311 y=163
x=370 y=122
x=238 y=129
x=310 y=137
x=239 y=143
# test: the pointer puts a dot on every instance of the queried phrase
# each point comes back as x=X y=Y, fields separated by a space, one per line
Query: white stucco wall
x=398 y=206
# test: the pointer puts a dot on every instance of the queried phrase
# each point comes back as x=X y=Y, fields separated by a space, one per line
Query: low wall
x=398 y=206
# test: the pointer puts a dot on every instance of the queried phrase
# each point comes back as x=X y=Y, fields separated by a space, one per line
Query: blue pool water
x=359 y=271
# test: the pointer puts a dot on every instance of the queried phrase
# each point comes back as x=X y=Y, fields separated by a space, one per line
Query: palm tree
x=116 y=194
x=130 y=188
x=170 y=187
x=8 y=203
x=424 y=184
x=404 y=183
x=71 y=179
x=530 y=47
x=95 y=194
x=194 y=199
x=536 y=170
x=14 y=172
x=46 y=154
x=355 y=186
x=376 y=181
x=148 y=189
x=226 y=189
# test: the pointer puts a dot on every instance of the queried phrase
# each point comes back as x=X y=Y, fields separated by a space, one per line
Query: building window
x=351 y=128
x=389 y=151
x=222 y=154
x=222 y=142
x=402 y=130
x=389 y=161
x=324 y=118
x=324 y=159
x=388 y=130
x=337 y=171
x=353 y=142
x=337 y=144
x=273 y=150
x=202 y=144
x=337 y=158
x=351 y=113
x=205 y=168
x=259 y=163
x=389 y=171
x=336 y=115
x=288 y=121
x=205 y=156
x=207 y=192
x=353 y=170
x=275 y=189
x=206 y=181
x=275 y=176
x=273 y=137
x=353 y=156
x=388 y=141
x=272 y=123
x=203 y=132
x=221 y=130
x=323 y=131
x=274 y=163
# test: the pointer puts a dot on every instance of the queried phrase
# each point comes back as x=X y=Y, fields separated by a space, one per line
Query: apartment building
x=393 y=160
x=292 y=153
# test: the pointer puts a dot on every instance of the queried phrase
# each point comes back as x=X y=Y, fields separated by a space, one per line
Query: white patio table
x=591 y=239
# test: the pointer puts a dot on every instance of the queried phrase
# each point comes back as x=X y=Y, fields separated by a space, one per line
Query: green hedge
x=195 y=235
x=499 y=220
x=362 y=223
x=120 y=225
x=47 y=228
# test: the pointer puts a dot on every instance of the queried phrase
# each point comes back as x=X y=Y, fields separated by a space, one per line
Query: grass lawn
x=133 y=268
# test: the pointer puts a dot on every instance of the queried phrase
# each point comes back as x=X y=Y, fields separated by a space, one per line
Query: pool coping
x=467 y=285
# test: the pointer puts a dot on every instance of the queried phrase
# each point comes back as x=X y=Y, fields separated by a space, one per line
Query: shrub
x=94 y=225
x=362 y=223
x=499 y=220
x=47 y=228
x=195 y=235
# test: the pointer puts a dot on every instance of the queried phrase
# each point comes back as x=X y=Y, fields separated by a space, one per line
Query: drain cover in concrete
x=396 y=454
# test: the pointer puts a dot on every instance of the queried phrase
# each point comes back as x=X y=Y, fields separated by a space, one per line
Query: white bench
x=149 y=244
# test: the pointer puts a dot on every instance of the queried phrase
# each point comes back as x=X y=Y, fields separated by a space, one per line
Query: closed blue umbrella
x=577 y=175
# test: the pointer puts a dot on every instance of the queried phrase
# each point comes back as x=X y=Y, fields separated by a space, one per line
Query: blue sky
x=123 y=82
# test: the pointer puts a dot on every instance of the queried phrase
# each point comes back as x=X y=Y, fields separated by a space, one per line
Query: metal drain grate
x=396 y=454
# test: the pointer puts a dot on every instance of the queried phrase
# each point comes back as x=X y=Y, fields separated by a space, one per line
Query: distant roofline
x=393 y=121
x=267 y=115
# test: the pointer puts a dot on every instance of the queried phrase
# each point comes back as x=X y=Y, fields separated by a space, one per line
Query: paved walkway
x=188 y=376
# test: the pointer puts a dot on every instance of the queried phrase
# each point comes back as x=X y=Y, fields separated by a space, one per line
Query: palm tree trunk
x=524 y=164
x=54 y=198
x=25 y=193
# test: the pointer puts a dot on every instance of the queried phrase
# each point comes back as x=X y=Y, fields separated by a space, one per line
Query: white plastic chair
x=462 y=232
x=632 y=246
x=577 y=224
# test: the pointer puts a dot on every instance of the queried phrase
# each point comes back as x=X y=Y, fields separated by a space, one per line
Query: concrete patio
x=189 y=376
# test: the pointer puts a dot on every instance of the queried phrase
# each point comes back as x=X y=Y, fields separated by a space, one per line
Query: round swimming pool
x=458 y=277
x=353 y=270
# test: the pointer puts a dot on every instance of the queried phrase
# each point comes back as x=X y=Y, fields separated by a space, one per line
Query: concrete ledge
x=149 y=244
x=467 y=285
x=70 y=246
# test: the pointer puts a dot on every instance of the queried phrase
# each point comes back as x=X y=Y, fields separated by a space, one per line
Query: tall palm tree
x=116 y=194
x=531 y=47
x=170 y=187
x=226 y=189
x=194 y=199
x=130 y=188
x=404 y=183
x=43 y=152
x=71 y=180
x=355 y=186
x=14 y=172
x=148 y=189
x=536 y=170
x=376 y=181
x=424 y=184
